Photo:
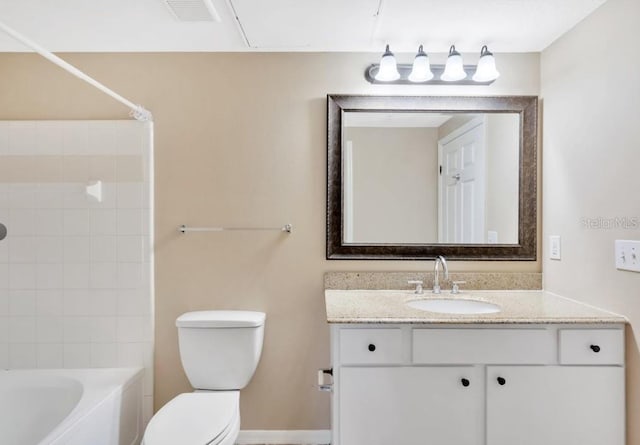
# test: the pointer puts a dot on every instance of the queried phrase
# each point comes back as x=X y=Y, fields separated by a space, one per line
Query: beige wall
x=240 y=140
x=591 y=94
x=395 y=184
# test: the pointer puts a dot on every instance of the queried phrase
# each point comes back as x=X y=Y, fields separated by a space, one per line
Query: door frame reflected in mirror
x=525 y=106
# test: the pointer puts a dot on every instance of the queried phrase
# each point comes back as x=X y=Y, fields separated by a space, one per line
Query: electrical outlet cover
x=554 y=247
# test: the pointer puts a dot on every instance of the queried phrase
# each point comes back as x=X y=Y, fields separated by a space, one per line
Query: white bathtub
x=71 y=407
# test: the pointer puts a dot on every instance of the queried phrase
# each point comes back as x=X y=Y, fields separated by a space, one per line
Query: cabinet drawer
x=592 y=346
x=487 y=346
x=369 y=346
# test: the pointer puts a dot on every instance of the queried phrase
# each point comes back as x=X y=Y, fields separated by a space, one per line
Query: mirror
x=415 y=177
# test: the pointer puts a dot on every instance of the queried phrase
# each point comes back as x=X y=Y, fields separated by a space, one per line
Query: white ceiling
x=294 y=25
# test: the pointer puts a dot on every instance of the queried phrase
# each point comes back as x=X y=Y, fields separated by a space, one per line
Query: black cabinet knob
x=501 y=381
x=464 y=382
x=372 y=347
x=595 y=348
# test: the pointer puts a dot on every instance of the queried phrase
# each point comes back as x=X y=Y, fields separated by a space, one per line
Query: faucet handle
x=455 y=288
x=418 y=284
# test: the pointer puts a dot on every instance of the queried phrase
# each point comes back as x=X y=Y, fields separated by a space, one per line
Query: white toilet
x=220 y=351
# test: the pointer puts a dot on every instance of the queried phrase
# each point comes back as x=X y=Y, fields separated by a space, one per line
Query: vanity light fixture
x=421 y=69
x=454 y=69
x=486 y=70
x=388 y=69
x=422 y=72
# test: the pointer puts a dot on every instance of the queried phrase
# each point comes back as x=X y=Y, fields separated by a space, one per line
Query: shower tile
x=22 y=356
x=49 y=138
x=74 y=196
x=103 y=302
x=21 y=222
x=4 y=275
x=103 y=276
x=49 y=222
x=130 y=275
x=22 y=196
x=129 y=222
x=22 y=303
x=75 y=138
x=130 y=249
x=22 y=138
x=103 y=248
x=134 y=329
x=77 y=329
x=75 y=169
x=4 y=355
x=4 y=193
x=22 y=330
x=4 y=138
x=76 y=276
x=133 y=302
x=130 y=196
x=104 y=330
x=49 y=329
x=4 y=330
x=49 y=276
x=102 y=168
x=102 y=138
x=49 y=196
x=77 y=355
x=104 y=355
x=77 y=302
x=49 y=303
x=77 y=249
x=22 y=249
x=22 y=276
x=103 y=221
x=49 y=249
x=50 y=355
x=4 y=303
x=130 y=354
x=76 y=222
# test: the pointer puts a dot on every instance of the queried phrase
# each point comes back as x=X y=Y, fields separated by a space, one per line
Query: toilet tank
x=220 y=350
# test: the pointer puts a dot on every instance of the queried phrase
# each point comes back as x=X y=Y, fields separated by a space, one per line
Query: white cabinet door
x=411 y=406
x=555 y=405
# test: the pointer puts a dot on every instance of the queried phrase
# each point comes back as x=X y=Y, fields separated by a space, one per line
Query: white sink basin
x=454 y=306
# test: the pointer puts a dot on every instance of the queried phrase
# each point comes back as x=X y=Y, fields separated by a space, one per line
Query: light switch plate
x=628 y=255
x=554 y=247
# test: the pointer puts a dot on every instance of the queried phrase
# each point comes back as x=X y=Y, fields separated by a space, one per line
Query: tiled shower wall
x=75 y=273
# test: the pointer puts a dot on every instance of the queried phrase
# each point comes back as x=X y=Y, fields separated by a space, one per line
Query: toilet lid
x=200 y=418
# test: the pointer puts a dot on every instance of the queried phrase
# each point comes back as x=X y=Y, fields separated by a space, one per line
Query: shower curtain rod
x=137 y=111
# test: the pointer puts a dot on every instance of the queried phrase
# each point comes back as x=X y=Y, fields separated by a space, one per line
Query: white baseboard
x=289 y=437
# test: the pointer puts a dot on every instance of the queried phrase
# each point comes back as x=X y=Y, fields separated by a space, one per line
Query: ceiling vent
x=193 y=10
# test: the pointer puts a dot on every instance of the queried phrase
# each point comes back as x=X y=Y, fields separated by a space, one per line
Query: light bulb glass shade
x=388 y=69
x=486 y=70
x=454 y=69
x=421 y=70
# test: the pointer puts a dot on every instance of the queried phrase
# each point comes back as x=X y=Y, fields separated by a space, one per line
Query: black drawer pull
x=372 y=347
x=595 y=348
x=465 y=382
x=501 y=381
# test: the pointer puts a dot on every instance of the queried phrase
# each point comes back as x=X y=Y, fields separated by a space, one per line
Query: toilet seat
x=199 y=418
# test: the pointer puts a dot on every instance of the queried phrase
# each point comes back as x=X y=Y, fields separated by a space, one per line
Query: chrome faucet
x=436 y=274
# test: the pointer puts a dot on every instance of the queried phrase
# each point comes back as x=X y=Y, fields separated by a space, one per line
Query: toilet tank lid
x=221 y=319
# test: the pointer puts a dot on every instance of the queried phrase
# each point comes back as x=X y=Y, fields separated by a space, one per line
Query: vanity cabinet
x=465 y=385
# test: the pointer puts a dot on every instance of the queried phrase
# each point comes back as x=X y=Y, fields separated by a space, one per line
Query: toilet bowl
x=220 y=351
x=202 y=418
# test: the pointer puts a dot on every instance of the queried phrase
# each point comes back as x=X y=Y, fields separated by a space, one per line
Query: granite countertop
x=388 y=306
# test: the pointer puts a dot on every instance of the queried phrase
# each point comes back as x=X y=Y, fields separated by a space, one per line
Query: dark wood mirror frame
x=524 y=250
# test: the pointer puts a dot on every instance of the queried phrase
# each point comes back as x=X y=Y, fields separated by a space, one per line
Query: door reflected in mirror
x=430 y=177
